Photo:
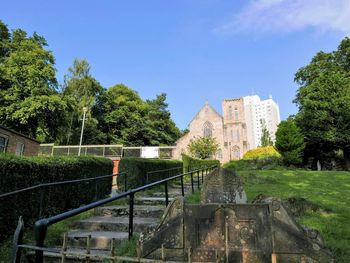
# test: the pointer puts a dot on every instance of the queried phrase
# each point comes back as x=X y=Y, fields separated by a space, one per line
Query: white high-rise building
x=260 y=114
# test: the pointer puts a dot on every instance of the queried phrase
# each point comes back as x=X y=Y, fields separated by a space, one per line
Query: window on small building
x=3 y=143
x=19 y=148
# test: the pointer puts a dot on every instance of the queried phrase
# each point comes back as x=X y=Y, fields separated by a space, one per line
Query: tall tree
x=265 y=138
x=163 y=130
x=290 y=142
x=29 y=101
x=323 y=99
x=83 y=90
x=121 y=114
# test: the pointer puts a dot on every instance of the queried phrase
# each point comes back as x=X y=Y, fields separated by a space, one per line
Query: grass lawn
x=328 y=194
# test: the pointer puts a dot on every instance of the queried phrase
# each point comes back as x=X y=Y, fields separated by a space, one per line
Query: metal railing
x=41 y=226
x=43 y=189
x=113 y=151
x=165 y=173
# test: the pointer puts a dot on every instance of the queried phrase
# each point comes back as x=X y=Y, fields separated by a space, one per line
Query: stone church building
x=234 y=130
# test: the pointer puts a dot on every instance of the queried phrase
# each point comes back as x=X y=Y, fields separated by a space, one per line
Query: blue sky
x=193 y=50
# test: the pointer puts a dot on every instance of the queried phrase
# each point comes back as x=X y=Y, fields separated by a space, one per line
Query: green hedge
x=136 y=170
x=21 y=172
x=267 y=163
x=191 y=164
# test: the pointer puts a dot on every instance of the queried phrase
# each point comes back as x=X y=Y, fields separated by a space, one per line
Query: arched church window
x=237 y=136
x=236 y=113
x=236 y=152
x=230 y=115
x=207 y=130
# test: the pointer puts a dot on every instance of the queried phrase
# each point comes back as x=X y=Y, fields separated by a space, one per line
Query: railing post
x=131 y=215
x=202 y=176
x=125 y=183
x=192 y=182
x=166 y=193
x=40 y=233
x=182 y=186
x=17 y=240
x=41 y=201
x=198 y=179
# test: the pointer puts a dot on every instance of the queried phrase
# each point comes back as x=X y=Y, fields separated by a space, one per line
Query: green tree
x=290 y=142
x=203 y=147
x=323 y=99
x=162 y=129
x=265 y=138
x=121 y=114
x=29 y=101
x=127 y=119
x=82 y=89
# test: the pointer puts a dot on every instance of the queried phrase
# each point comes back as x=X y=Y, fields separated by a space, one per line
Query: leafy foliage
x=290 y=142
x=327 y=191
x=265 y=138
x=190 y=164
x=82 y=90
x=261 y=153
x=29 y=101
x=126 y=119
x=323 y=99
x=203 y=147
x=136 y=170
x=21 y=172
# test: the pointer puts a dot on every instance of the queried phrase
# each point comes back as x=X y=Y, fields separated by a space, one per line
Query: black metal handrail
x=42 y=190
x=57 y=183
x=40 y=227
x=180 y=168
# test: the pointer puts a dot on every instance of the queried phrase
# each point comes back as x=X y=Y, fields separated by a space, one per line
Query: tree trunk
x=346 y=152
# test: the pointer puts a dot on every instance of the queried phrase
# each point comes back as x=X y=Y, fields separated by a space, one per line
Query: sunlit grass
x=329 y=191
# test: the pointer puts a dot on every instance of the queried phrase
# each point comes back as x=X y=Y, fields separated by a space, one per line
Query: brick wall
x=31 y=147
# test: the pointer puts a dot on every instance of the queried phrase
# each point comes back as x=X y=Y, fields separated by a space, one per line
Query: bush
x=136 y=170
x=261 y=153
x=259 y=158
x=21 y=172
x=190 y=164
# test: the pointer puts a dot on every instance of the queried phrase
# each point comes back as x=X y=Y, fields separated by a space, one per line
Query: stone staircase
x=111 y=223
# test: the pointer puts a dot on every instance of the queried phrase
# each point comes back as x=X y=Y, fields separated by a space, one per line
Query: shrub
x=261 y=153
x=21 y=172
x=259 y=158
x=290 y=142
x=136 y=170
x=190 y=163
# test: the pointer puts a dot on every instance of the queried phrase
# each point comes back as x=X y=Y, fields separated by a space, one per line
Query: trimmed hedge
x=22 y=172
x=190 y=164
x=268 y=163
x=136 y=170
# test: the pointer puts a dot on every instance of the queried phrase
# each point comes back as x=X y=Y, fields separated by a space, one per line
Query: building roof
x=206 y=104
x=18 y=133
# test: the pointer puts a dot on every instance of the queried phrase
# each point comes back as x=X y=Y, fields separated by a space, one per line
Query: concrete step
x=99 y=239
x=147 y=200
x=75 y=256
x=118 y=224
x=123 y=210
x=171 y=193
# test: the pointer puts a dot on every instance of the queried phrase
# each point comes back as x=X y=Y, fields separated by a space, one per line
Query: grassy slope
x=329 y=191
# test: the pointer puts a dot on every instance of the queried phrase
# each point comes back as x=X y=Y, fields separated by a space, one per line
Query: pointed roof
x=202 y=108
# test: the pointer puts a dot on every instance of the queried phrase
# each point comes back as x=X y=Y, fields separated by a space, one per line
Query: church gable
x=206 y=113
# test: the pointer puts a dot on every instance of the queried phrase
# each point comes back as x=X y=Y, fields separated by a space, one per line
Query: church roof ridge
x=205 y=104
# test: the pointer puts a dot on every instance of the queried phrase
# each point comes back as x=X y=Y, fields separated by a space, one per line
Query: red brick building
x=17 y=143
